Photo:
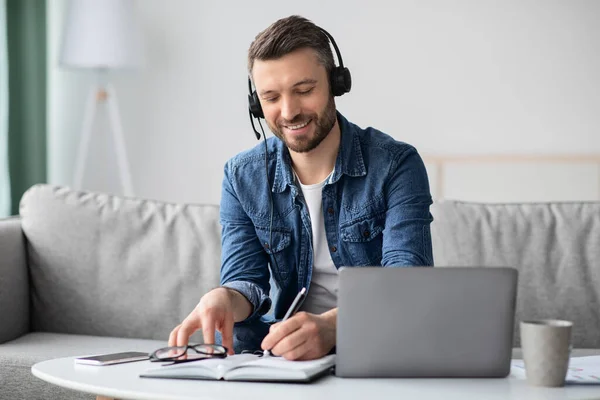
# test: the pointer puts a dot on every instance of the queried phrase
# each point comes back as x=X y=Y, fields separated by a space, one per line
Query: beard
x=324 y=123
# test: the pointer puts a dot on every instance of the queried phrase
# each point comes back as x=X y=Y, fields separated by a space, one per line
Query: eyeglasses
x=179 y=354
x=259 y=353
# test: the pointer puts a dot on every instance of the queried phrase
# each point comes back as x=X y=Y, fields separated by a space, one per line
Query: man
x=341 y=196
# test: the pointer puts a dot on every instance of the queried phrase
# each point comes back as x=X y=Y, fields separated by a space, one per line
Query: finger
x=173 y=336
x=290 y=343
x=274 y=326
x=208 y=330
x=227 y=335
x=284 y=329
x=302 y=352
x=187 y=328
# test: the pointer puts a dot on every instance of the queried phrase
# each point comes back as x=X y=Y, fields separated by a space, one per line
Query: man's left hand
x=302 y=337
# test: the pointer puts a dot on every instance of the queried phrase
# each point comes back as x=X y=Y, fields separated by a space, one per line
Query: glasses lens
x=210 y=349
x=170 y=352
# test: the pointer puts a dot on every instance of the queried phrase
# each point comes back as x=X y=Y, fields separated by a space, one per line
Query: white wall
x=450 y=77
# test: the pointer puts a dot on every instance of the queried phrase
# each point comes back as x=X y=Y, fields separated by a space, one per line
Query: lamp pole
x=103 y=93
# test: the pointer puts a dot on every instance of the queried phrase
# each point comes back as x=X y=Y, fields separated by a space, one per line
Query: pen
x=291 y=311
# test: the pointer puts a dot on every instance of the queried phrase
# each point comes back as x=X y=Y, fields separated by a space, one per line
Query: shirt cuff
x=261 y=303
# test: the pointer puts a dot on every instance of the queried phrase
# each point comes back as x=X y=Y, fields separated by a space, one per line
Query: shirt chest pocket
x=274 y=243
x=363 y=240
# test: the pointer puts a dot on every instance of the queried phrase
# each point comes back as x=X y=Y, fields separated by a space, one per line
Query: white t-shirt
x=322 y=293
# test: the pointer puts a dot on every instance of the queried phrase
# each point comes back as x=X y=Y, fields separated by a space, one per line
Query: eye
x=307 y=91
x=271 y=99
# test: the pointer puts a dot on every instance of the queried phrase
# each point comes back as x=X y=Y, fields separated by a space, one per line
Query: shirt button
x=266 y=245
x=333 y=249
x=330 y=210
x=366 y=234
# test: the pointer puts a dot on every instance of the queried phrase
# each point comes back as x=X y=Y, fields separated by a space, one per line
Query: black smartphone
x=115 y=358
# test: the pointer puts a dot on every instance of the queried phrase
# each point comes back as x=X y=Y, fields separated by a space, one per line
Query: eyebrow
x=306 y=81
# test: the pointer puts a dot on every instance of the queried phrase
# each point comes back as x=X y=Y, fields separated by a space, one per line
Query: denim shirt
x=375 y=209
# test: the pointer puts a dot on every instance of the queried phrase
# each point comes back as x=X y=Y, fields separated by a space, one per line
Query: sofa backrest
x=555 y=247
x=111 y=266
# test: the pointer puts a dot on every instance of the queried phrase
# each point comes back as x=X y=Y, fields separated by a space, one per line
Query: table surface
x=123 y=382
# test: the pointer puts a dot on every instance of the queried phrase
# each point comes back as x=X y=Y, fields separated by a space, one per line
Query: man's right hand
x=214 y=311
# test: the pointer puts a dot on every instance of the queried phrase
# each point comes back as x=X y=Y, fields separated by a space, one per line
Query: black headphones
x=339 y=80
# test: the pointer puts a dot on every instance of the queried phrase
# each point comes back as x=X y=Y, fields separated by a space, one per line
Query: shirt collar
x=349 y=160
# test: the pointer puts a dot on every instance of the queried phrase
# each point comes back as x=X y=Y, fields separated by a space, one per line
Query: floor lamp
x=101 y=36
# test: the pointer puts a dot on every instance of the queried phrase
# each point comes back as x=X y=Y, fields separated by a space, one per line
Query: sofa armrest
x=14 y=281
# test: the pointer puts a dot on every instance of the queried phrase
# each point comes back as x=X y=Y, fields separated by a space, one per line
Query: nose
x=290 y=108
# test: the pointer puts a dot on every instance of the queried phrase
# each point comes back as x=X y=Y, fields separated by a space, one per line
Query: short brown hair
x=287 y=35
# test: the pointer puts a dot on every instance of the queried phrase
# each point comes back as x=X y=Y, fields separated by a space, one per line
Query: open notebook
x=246 y=367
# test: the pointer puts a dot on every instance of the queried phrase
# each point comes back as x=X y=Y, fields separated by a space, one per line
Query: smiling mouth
x=297 y=126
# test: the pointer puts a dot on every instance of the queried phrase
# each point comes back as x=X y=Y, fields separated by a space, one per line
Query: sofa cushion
x=555 y=247
x=110 y=266
x=18 y=356
x=14 y=281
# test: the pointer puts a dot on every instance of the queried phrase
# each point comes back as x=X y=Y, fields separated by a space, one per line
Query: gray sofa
x=84 y=273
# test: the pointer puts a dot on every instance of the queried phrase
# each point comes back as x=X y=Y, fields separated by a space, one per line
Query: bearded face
x=307 y=130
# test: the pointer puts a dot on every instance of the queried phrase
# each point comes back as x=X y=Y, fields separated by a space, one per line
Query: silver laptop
x=425 y=322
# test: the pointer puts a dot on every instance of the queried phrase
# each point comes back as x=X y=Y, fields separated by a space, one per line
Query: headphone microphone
x=254 y=108
x=340 y=82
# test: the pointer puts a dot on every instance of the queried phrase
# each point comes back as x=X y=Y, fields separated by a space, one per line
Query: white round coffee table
x=123 y=382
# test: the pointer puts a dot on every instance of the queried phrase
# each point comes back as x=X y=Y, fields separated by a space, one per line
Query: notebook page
x=212 y=368
x=278 y=368
x=280 y=362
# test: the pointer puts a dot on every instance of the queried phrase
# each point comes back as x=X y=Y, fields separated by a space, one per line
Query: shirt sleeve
x=407 y=233
x=244 y=262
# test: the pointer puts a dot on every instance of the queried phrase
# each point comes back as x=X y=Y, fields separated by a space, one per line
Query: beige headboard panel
x=515 y=177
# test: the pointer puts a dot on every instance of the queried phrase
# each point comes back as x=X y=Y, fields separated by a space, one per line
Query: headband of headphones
x=339 y=79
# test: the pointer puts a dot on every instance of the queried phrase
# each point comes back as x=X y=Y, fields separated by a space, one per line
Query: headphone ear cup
x=341 y=81
x=254 y=105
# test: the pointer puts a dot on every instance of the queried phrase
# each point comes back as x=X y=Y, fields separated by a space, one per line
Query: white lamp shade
x=101 y=34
